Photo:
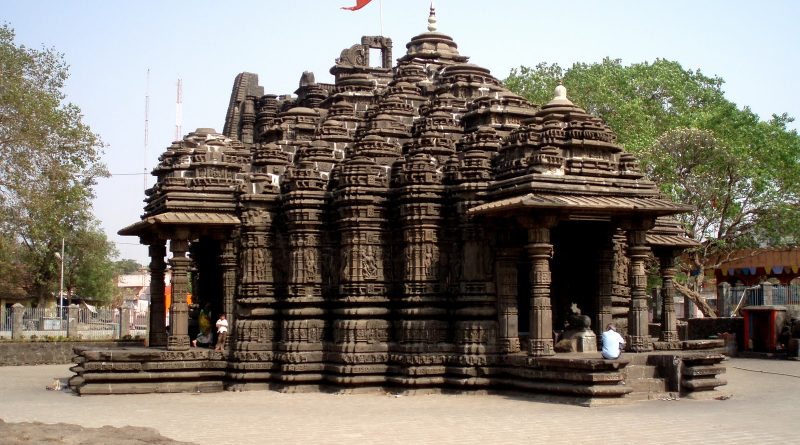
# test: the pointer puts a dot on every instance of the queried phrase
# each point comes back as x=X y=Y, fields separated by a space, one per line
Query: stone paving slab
x=762 y=409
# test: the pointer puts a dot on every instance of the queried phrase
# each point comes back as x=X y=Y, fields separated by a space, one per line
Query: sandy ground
x=758 y=408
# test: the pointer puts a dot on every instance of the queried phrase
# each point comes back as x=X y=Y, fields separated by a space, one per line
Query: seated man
x=612 y=342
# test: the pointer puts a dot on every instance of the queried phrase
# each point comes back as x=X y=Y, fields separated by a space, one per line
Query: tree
x=639 y=102
x=88 y=272
x=49 y=163
x=127 y=266
x=740 y=173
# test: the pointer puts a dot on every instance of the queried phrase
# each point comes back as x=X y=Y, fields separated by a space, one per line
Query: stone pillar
x=723 y=305
x=638 y=327
x=766 y=291
x=422 y=326
x=688 y=308
x=540 y=251
x=17 y=312
x=256 y=325
x=227 y=262
x=72 y=321
x=605 y=294
x=304 y=313
x=179 y=309
x=124 y=322
x=3 y=326
x=669 y=324
x=361 y=308
x=158 y=330
x=506 y=278
x=248 y=120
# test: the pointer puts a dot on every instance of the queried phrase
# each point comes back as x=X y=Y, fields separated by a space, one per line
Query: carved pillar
x=638 y=328
x=669 y=327
x=248 y=119
x=605 y=294
x=475 y=296
x=304 y=325
x=257 y=319
x=422 y=328
x=227 y=262
x=476 y=309
x=179 y=310
x=541 y=317
x=255 y=305
x=506 y=277
x=361 y=328
x=158 y=330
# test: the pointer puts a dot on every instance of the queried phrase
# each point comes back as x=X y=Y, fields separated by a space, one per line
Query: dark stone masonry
x=415 y=226
x=23 y=353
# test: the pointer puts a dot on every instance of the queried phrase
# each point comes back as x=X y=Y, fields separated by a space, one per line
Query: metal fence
x=735 y=297
x=91 y=323
x=786 y=295
x=5 y=321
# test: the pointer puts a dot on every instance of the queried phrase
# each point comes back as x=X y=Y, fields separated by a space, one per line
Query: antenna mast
x=179 y=111
x=146 y=126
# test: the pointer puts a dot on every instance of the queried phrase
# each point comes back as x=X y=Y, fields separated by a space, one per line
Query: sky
x=111 y=45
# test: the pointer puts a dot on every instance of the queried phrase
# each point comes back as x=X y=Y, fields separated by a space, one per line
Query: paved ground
x=762 y=409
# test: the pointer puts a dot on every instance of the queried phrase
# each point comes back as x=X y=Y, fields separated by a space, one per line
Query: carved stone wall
x=348 y=246
x=359 y=349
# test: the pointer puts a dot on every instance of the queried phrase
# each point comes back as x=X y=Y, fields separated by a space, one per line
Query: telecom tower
x=146 y=126
x=179 y=111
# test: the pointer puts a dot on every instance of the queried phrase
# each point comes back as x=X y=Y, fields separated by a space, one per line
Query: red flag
x=359 y=4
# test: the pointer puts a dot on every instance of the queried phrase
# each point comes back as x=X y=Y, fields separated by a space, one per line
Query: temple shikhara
x=414 y=226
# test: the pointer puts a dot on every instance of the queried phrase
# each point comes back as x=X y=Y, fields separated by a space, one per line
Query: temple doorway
x=577 y=248
x=206 y=283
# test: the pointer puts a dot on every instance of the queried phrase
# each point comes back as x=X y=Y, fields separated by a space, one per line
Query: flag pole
x=380 y=13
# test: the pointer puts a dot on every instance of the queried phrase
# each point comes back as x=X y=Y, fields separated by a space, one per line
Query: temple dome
x=432 y=46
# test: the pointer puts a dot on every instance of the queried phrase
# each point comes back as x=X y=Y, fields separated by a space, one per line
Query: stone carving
x=356 y=55
x=398 y=225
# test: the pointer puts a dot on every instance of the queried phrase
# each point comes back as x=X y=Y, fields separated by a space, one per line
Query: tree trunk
x=698 y=299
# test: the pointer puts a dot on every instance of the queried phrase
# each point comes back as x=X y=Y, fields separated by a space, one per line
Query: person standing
x=612 y=342
x=222 y=332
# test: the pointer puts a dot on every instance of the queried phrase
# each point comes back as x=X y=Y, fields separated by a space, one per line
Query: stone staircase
x=646 y=381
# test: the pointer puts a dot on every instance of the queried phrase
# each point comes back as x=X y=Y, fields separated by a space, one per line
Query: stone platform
x=146 y=370
x=577 y=378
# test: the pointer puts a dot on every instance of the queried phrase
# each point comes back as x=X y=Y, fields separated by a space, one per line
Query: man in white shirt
x=612 y=342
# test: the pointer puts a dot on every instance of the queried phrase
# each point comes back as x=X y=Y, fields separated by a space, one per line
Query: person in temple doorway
x=612 y=342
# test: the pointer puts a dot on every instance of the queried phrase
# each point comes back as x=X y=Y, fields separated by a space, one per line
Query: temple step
x=646 y=383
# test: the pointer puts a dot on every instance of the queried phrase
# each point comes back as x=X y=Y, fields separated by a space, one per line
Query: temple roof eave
x=156 y=223
x=596 y=205
x=670 y=241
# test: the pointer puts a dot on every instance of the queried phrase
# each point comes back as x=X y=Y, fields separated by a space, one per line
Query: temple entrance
x=577 y=247
x=206 y=284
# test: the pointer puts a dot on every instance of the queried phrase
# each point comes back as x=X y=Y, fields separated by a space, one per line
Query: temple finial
x=432 y=19
x=560 y=95
x=561 y=90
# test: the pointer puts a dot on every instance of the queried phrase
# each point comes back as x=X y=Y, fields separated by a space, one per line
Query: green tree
x=49 y=163
x=88 y=272
x=639 y=102
x=739 y=172
x=126 y=266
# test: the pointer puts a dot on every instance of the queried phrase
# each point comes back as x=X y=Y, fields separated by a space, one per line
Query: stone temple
x=413 y=227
